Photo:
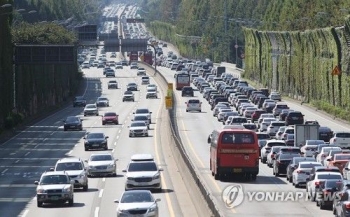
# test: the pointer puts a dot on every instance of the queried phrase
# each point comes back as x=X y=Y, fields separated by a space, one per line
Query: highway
x=194 y=129
x=36 y=149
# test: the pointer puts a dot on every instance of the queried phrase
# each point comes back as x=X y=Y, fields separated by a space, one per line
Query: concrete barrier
x=184 y=162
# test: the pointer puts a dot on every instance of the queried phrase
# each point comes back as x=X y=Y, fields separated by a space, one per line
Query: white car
x=222 y=112
x=302 y=172
x=141 y=71
x=133 y=201
x=91 y=109
x=262 y=116
x=193 y=105
x=217 y=107
x=151 y=94
x=324 y=152
x=101 y=164
x=308 y=150
x=144 y=111
x=274 y=126
x=151 y=87
x=341 y=139
x=143 y=175
x=110 y=73
x=249 y=111
x=316 y=180
x=267 y=148
x=279 y=132
x=138 y=128
x=265 y=123
x=272 y=154
x=145 y=80
x=142 y=117
x=275 y=96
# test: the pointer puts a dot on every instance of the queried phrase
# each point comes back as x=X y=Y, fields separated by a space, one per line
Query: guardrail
x=179 y=145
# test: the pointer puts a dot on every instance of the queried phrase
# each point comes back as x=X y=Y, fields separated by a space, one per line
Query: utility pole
x=225 y=26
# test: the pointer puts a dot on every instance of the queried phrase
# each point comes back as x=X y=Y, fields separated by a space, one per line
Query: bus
x=234 y=152
x=182 y=80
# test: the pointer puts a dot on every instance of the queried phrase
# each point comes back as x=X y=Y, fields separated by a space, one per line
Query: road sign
x=236 y=46
x=170 y=86
x=128 y=45
x=87 y=32
x=168 y=102
x=111 y=45
x=170 y=93
x=336 y=71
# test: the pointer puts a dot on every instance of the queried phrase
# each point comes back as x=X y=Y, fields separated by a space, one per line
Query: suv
x=75 y=169
x=112 y=84
x=294 y=117
x=141 y=71
x=187 y=91
x=54 y=187
x=143 y=175
x=79 y=101
x=278 y=108
x=128 y=96
x=194 y=105
x=144 y=80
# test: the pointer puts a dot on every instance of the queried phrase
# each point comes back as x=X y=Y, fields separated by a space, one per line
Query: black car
x=95 y=141
x=343 y=190
x=281 y=163
x=294 y=117
x=187 y=91
x=79 y=101
x=326 y=192
x=73 y=123
x=325 y=133
x=131 y=87
x=293 y=164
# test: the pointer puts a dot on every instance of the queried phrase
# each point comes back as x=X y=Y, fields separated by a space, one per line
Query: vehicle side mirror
x=52 y=169
x=209 y=139
x=160 y=169
x=124 y=171
x=273 y=158
x=329 y=159
x=107 y=137
x=72 y=182
x=36 y=183
x=283 y=139
x=158 y=199
x=346 y=168
x=86 y=161
x=150 y=112
x=132 y=119
x=84 y=137
x=133 y=112
x=116 y=201
x=274 y=153
x=185 y=102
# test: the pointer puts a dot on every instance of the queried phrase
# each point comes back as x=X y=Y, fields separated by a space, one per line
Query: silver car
x=194 y=105
x=142 y=117
x=75 y=169
x=137 y=203
x=138 y=128
x=101 y=164
x=144 y=111
x=90 y=109
x=151 y=94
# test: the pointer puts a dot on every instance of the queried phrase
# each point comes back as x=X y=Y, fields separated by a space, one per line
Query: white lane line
x=4 y=171
x=120 y=130
x=16 y=161
x=113 y=150
x=101 y=193
x=27 y=153
x=103 y=179
x=70 y=152
x=117 y=139
x=36 y=146
x=52 y=133
x=25 y=213
x=97 y=209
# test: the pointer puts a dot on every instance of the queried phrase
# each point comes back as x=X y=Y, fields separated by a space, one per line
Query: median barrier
x=189 y=170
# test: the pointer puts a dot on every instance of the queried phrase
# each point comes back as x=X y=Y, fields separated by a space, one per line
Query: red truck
x=133 y=57
x=147 y=58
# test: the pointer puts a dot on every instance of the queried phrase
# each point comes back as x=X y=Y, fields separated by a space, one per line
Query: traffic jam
x=309 y=156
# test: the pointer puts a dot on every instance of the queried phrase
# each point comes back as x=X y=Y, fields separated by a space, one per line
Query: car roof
x=326 y=172
x=69 y=159
x=48 y=173
x=142 y=157
x=101 y=153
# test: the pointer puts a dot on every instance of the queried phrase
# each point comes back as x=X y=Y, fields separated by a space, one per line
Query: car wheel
x=84 y=115
x=186 y=110
x=85 y=187
x=146 y=135
x=130 y=135
x=71 y=202
x=106 y=148
x=96 y=114
x=39 y=204
x=81 y=128
x=103 y=123
x=65 y=129
x=200 y=110
x=86 y=149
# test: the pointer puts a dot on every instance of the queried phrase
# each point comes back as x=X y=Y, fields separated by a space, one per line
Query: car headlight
x=91 y=167
x=145 y=130
x=152 y=208
x=156 y=176
x=111 y=166
x=122 y=211
x=65 y=190
x=41 y=191
x=130 y=178
x=82 y=175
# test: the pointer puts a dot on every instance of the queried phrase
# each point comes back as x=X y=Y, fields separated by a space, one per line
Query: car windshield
x=138 y=124
x=100 y=157
x=136 y=197
x=102 y=99
x=309 y=165
x=142 y=167
x=110 y=114
x=112 y=82
x=131 y=84
x=95 y=136
x=91 y=106
x=141 y=69
x=72 y=119
x=69 y=166
x=330 y=176
x=79 y=98
x=342 y=157
x=333 y=184
x=142 y=111
x=54 y=179
x=128 y=92
x=287 y=156
x=140 y=118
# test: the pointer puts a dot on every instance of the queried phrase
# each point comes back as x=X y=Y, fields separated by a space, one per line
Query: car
x=293 y=164
x=95 y=141
x=110 y=118
x=72 y=123
x=90 y=109
x=187 y=91
x=75 y=169
x=138 y=128
x=315 y=181
x=327 y=192
x=275 y=96
x=193 y=105
x=134 y=65
x=302 y=172
x=141 y=71
x=102 y=102
x=144 y=111
x=281 y=162
x=145 y=80
x=137 y=201
x=142 y=117
x=341 y=139
x=119 y=65
x=151 y=94
x=143 y=175
x=131 y=87
x=85 y=65
x=112 y=84
x=54 y=187
x=101 y=164
x=113 y=55
x=267 y=148
x=101 y=65
x=271 y=155
x=142 y=157
x=151 y=87
x=124 y=62
x=128 y=96
x=110 y=73
x=79 y=101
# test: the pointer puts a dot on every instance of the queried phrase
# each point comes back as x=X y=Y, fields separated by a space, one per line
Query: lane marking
x=113 y=150
x=101 y=193
x=16 y=161
x=4 y=171
x=70 y=152
x=103 y=179
x=167 y=197
x=27 y=153
x=97 y=209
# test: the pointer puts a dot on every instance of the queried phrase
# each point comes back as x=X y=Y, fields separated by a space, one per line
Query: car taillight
x=272 y=155
x=326 y=191
x=300 y=171
x=279 y=162
x=335 y=139
x=317 y=183
x=307 y=149
x=323 y=155
x=347 y=205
